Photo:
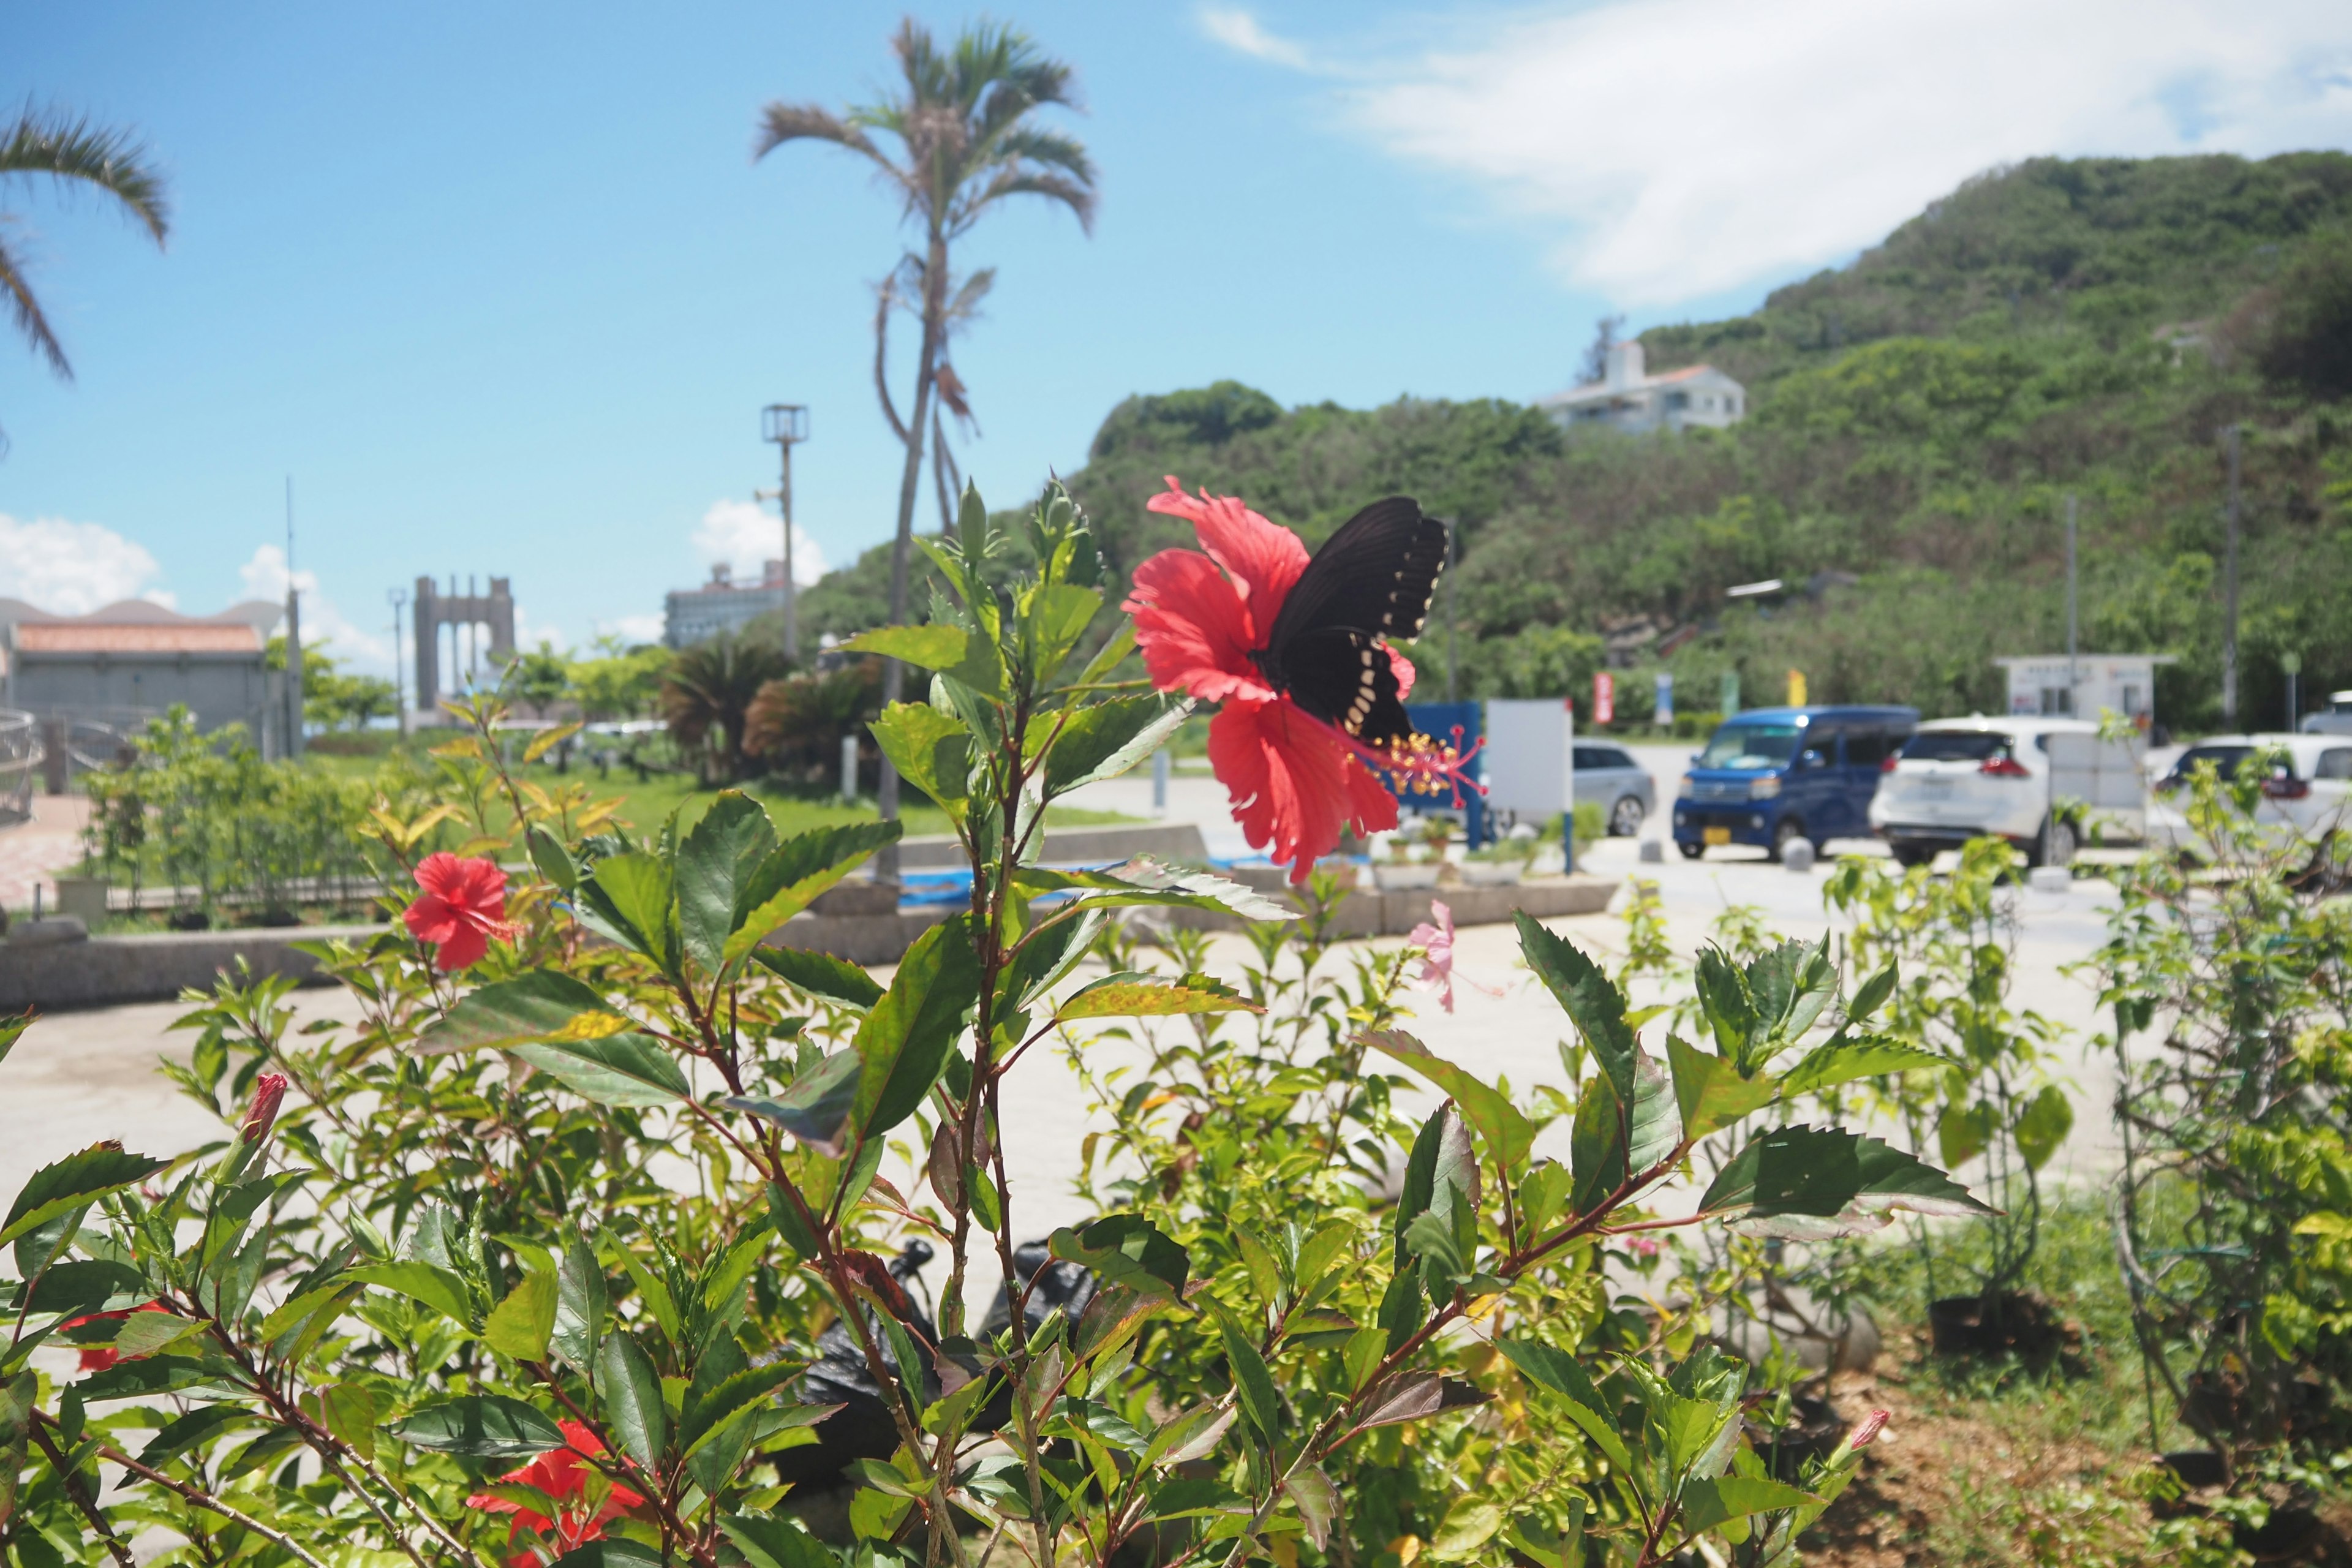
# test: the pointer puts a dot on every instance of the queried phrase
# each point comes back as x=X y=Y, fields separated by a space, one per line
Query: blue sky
x=501 y=289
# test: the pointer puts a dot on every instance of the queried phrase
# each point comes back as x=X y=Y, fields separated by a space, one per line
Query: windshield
x=1955 y=746
x=2226 y=759
x=1750 y=746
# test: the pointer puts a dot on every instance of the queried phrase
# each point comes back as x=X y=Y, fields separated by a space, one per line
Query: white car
x=1957 y=779
x=2309 y=788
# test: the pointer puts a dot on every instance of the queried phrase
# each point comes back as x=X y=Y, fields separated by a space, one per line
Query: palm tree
x=708 y=690
x=68 y=149
x=961 y=123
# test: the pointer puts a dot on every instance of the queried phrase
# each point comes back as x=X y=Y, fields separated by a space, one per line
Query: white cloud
x=1240 y=31
x=747 y=536
x=367 y=650
x=72 y=568
x=1674 y=149
x=636 y=629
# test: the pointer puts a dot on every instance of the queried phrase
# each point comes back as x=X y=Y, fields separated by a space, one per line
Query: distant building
x=2086 y=686
x=1629 y=398
x=133 y=659
x=690 y=615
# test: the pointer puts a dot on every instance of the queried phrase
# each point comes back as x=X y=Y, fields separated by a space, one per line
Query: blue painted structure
x=1459 y=724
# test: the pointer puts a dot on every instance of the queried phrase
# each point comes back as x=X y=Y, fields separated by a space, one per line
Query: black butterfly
x=1372 y=579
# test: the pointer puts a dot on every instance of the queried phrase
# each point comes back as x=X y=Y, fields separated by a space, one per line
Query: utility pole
x=786 y=424
x=293 y=747
x=1453 y=661
x=398 y=599
x=2073 y=619
x=2230 y=595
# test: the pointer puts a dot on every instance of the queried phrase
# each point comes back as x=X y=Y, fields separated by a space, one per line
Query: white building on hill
x=1631 y=399
x=722 y=605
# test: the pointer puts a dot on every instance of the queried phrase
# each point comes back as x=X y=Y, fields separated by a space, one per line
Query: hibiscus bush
x=612 y=1232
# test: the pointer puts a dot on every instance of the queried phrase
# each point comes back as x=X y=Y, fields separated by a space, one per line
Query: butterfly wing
x=1372 y=579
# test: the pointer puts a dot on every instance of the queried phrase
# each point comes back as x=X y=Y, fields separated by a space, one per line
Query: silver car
x=1607 y=776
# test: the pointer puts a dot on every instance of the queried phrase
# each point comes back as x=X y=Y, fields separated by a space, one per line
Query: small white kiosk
x=2053 y=686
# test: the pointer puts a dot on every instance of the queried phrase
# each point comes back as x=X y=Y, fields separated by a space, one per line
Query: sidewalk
x=32 y=853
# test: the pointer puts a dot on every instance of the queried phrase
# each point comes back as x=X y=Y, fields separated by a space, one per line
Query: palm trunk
x=935 y=271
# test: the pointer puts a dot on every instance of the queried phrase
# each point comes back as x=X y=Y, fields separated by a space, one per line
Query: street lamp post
x=787 y=424
x=398 y=599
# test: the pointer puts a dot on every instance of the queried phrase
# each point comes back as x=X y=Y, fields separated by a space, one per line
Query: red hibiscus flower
x=463 y=906
x=97 y=1358
x=1296 y=781
x=561 y=1476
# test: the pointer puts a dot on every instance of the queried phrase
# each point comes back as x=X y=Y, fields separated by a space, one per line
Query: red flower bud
x=1871 y=1425
x=266 y=1092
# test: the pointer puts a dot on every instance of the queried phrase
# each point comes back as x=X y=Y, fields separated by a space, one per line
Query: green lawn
x=644 y=806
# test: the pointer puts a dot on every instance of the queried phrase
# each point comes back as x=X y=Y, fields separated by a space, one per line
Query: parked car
x=1957 y=779
x=1607 y=776
x=2335 y=719
x=2308 y=786
x=1774 y=775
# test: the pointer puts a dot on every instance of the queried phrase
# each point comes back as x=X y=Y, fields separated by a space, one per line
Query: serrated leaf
x=1411 y=1395
x=1708 y=1504
x=768 y=1541
x=1107 y=738
x=939 y=647
x=932 y=750
x=618 y=1070
x=581 y=1299
x=1136 y=996
x=541 y=1005
x=519 y=1327
x=1560 y=1372
x=819 y=974
x=74 y=1183
x=1592 y=1002
x=480 y=1427
x=905 y=1040
x=1807 y=1183
x=814 y=1107
x=1709 y=1091
x=1318 y=1500
x=1508 y=1135
x=1843 y=1061
x=717 y=860
x=790 y=880
x=1145 y=881
x=437 y=1287
x=1130 y=1250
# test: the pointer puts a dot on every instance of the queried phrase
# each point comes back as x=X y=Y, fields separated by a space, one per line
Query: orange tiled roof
x=81 y=636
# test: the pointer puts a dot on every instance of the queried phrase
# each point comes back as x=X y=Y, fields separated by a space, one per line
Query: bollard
x=1161 y=768
x=1798 y=857
x=849 y=769
x=2050 y=879
x=1654 y=851
x=57 y=756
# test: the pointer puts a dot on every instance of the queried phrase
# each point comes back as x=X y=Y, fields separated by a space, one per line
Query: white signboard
x=1530 y=756
x=2053 y=687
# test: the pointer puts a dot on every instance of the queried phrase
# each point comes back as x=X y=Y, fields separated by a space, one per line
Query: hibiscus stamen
x=1420 y=765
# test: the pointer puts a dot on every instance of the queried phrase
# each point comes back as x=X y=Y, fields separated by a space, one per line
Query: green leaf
x=1128 y=1249
x=1807 y=1183
x=2043 y=1126
x=767 y=1541
x=543 y=1005
x=814 y=1107
x=1413 y=1395
x=480 y=1427
x=198 y=1427
x=1105 y=740
x=1709 y=1503
x=1963 y=1132
x=552 y=859
x=1468 y=1525
x=619 y=1069
x=716 y=862
x=1560 y=1372
x=630 y=899
x=1261 y=1406
x=819 y=974
x=74 y=1183
x=1059 y=613
x=789 y=881
x=1441 y=1158
x=581 y=1299
x=349 y=1410
x=436 y=1286
x=1144 y=881
x=931 y=749
x=1318 y=1500
x=906 y=1039
x=1709 y=1091
x=84 y=1285
x=1593 y=1005
x=519 y=1327
x=631 y=1391
x=1508 y=1135
x=1873 y=994
x=1843 y=1061
x=931 y=647
x=11 y=1031
x=734 y=1396
x=1136 y=996
x=617 y=1552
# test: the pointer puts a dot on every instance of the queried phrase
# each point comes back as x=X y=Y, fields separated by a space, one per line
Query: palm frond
x=1015 y=182
x=26 y=310
x=782 y=122
x=68 y=149
x=1051 y=148
x=965 y=304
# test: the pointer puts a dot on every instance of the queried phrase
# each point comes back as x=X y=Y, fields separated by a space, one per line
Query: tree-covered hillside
x=2083 y=327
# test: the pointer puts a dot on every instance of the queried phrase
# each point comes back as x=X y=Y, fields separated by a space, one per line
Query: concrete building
x=1630 y=399
x=690 y=615
x=2089 y=684
x=133 y=659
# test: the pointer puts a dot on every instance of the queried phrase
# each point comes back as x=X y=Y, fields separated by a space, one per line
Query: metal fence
x=20 y=764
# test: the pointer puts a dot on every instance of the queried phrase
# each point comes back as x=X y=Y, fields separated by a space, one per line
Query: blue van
x=1773 y=775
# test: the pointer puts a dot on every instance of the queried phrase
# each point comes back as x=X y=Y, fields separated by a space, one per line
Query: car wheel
x=2054 y=846
x=1626 y=818
x=1787 y=833
x=1912 y=854
x=1690 y=851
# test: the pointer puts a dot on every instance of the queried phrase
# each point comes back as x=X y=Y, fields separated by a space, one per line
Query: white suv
x=1957 y=779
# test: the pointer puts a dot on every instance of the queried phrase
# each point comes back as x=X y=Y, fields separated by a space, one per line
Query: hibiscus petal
x=1262 y=558
x=1195 y=633
x=430 y=919
x=462 y=949
x=1293 y=784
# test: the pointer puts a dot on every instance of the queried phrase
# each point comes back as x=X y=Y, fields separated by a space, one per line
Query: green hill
x=2082 y=327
